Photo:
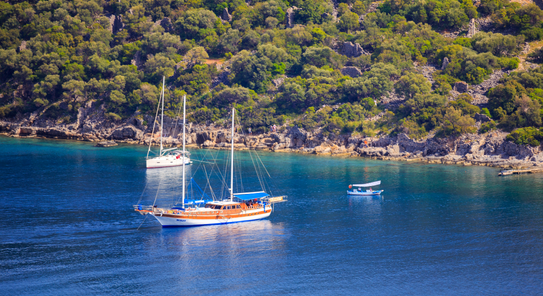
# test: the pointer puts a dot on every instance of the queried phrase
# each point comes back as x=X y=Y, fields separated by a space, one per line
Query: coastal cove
x=69 y=228
x=489 y=149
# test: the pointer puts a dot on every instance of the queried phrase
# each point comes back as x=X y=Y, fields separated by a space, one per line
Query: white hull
x=166 y=161
x=179 y=221
x=364 y=193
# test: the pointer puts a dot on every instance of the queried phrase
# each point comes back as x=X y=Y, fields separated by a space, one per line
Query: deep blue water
x=67 y=227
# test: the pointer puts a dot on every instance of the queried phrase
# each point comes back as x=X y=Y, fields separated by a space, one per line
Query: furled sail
x=368 y=184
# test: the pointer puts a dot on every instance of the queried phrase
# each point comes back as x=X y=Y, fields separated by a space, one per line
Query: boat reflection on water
x=170 y=176
x=367 y=205
x=232 y=250
x=231 y=236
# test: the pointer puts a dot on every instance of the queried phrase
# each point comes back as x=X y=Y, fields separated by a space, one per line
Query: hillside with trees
x=348 y=67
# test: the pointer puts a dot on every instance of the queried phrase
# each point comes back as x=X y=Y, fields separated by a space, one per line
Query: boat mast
x=162 y=117
x=183 y=156
x=232 y=157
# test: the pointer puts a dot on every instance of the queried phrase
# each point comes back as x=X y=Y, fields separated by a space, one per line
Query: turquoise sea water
x=67 y=227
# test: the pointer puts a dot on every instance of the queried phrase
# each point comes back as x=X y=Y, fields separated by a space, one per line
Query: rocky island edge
x=489 y=149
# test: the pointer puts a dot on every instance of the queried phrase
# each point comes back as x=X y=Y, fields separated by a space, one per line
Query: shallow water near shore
x=68 y=227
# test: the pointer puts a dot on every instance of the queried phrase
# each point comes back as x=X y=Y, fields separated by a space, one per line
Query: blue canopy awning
x=251 y=195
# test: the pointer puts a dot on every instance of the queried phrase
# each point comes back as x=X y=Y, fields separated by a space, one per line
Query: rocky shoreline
x=490 y=149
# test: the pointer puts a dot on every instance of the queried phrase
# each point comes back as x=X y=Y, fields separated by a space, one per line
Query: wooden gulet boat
x=239 y=207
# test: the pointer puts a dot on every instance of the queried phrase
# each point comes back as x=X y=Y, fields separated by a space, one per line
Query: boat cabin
x=229 y=205
x=232 y=206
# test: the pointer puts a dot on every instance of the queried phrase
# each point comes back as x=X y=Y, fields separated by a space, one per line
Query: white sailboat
x=237 y=207
x=167 y=157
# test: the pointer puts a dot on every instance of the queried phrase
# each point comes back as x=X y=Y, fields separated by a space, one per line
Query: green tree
x=197 y=55
x=413 y=84
x=454 y=123
x=349 y=22
x=251 y=71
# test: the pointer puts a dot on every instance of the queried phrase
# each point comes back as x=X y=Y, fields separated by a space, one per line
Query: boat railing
x=143 y=208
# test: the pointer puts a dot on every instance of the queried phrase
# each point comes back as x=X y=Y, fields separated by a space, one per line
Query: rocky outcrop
x=137 y=61
x=225 y=16
x=106 y=144
x=351 y=71
x=22 y=46
x=482 y=118
x=165 y=23
x=478 y=91
x=126 y=132
x=445 y=63
x=116 y=23
x=353 y=50
x=461 y=87
x=489 y=149
x=472 y=30
x=290 y=16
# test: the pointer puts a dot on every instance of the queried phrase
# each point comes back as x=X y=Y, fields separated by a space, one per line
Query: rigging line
x=239 y=130
x=141 y=197
x=177 y=119
x=216 y=167
x=176 y=190
x=267 y=184
x=256 y=170
x=203 y=161
x=153 y=132
x=209 y=184
x=213 y=167
x=263 y=165
x=259 y=171
x=262 y=179
x=240 y=177
x=237 y=168
x=157 y=191
x=142 y=222
x=224 y=175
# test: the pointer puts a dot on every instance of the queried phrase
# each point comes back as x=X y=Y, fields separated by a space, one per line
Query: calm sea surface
x=67 y=227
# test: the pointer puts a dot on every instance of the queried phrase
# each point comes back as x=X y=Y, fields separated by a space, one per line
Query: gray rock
x=445 y=63
x=137 y=61
x=297 y=137
x=472 y=30
x=22 y=46
x=126 y=132
x=106 y=144
x=278 y=81
x=461 y=87
x=221 y=78
x=115 y=23
x=482 y=118
x=351 y=71
x=226 y=16
x=165 y=23
x=290 y=16
x=353 y=50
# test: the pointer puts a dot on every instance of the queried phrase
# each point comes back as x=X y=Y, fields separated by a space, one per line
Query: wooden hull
x=200 y=218
x=172 y=221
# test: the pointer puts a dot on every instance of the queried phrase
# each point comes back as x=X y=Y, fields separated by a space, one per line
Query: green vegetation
x=57 y=55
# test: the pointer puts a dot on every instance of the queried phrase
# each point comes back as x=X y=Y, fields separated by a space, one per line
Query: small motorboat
x=357 y=189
